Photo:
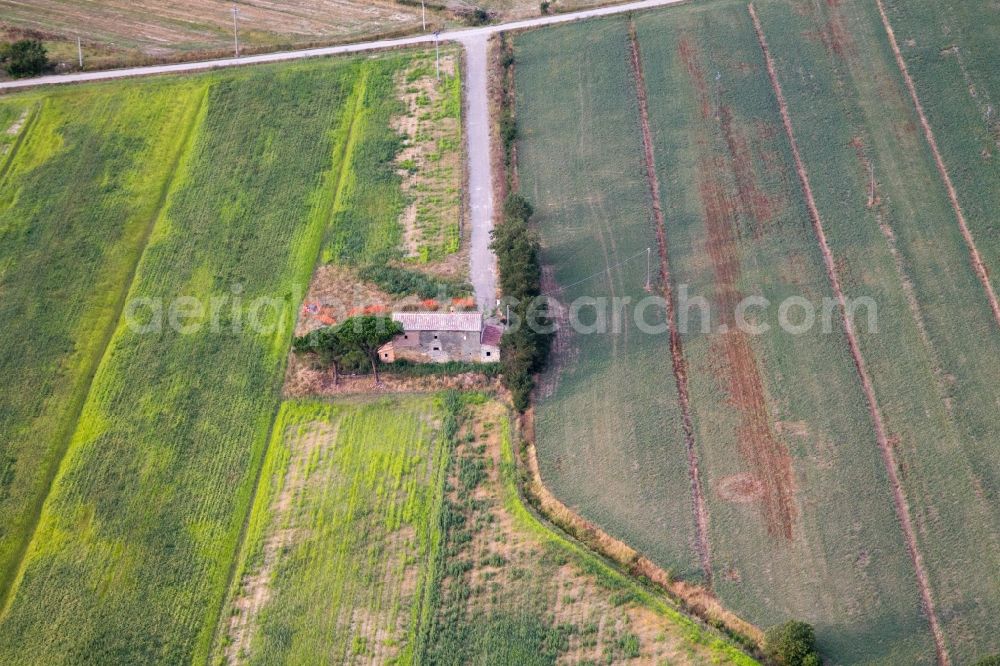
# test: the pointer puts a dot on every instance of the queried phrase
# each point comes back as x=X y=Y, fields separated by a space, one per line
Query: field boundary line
x=21 y=137
x=341 y=160
x=65 y=437
x=977 y=261
x=881 y=435
x=694 y=600
x=676 y=348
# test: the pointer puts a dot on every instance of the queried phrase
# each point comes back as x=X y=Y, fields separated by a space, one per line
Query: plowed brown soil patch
x=688 y=53
x=892 y=467
x=754 y=204
x=739 y=374
x=676 y=349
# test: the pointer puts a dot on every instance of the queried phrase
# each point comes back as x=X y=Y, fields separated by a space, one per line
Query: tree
x=367 y=334
x=792 y=644
x=26 y=57
x=327 y=345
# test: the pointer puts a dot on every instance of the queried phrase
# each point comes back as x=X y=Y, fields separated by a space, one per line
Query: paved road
x=482 y=263
x=462 y=35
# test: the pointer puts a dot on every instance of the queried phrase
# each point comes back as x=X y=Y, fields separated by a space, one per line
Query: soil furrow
x=977 y=261
x=881 y=434
x=676 y=350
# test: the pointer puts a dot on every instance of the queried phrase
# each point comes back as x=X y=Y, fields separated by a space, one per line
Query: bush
x=992 y=660
x=24 y=58
x=792 y=644
x=404 y=282
x=477 y=16
x=544 y=7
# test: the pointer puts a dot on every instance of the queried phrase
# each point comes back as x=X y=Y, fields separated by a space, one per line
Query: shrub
x=544 y=7
x=792 y=644
x=992 y=660
x=477 y=16
x=24 y=58
x=404 y=282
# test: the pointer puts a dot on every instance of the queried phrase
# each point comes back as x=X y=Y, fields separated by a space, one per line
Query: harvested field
x=117 y=33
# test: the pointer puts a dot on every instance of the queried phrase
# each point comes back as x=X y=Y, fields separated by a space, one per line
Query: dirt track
x=977 y=261
x=881 y=434
x=676 y=350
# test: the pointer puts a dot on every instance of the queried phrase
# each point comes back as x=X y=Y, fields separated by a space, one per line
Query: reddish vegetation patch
x=740 y=376
x=676 y=350
x=740 y=488
x=754 y=204
x=692 y=63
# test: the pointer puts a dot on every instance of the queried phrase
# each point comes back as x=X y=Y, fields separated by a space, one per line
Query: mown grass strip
x=33 y=114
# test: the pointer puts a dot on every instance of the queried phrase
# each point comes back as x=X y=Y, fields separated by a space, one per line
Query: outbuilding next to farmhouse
x=439 y=337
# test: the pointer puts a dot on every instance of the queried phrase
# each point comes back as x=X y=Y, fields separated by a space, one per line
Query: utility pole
x=79 y=50
x=236 y=29
x=423 y=14
x=437 y=53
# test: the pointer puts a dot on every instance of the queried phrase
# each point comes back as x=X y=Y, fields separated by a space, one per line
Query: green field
x=343 y=536
x=82 y=178
x=510 y=590
x=133 y=553
x=610 y=446
x=801 y=518
x=951 y=49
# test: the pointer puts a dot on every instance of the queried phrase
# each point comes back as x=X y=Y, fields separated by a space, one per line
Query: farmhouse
x=432 y=337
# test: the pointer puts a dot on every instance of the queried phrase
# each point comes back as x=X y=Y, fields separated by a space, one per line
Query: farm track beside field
x=982 y=272
x=676 y=348
x=888 y=457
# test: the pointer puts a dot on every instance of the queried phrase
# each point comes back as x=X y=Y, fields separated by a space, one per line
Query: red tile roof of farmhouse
x=492 y=335
x=440 y=321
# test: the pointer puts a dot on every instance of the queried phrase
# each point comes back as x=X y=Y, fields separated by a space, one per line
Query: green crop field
x=951 y=49
x=76 y=209
x=344 y=535
x=801 y=515
x=610 y=446
x=933 y=361
x=227 y=185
